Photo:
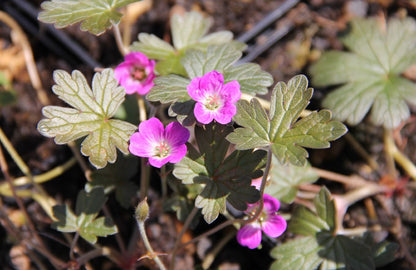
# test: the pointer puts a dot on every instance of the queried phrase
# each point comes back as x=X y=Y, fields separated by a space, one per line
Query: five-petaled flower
x=158 y=144
x=214 y=99
x=136 y=73
x=269 y=222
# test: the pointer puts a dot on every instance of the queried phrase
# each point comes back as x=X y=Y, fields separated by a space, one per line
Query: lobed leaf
x=370 y=75
x=285 y=179
x=279 y=129
x=96 y=15
x=251 y=78
x=90 y=116
x=188 y=32
x=298 y=254
x=222 y=179
x=217 y=57
x=84 y=222
x=168 y=89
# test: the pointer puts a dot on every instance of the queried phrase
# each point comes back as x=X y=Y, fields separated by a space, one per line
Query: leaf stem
x=342 y=202
x=73 y=244
x=119 y=40
x=392 y=150
x=210 y=257
x=179 y=238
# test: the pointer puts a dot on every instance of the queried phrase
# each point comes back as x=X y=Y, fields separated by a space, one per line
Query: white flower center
x=213 y=102
x=162 y=150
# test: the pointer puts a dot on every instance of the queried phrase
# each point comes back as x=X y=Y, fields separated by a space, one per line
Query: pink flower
x=269 y=222
x=215 y=100
x=158 y=144
x=136 y=74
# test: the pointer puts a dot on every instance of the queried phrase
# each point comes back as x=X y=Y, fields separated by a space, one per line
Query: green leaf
x=153 y=47
x=188 y=32
x=168 y=89
x=285 y=179
x=251 y=78
x=223 y=178
x=116 y=177
x=188 y=29
x=298 y=254
x=342 y=252
x=306 y=222
x=217 y=57
x=96 y=15
x=91 y=116
x=322 y=248
x=84 y=221
x=325 y=207
x=370 y=75
x=279 y=129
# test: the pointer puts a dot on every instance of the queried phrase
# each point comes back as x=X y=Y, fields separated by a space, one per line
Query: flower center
x=162 y=150
x=138 y=73
x=213 y=102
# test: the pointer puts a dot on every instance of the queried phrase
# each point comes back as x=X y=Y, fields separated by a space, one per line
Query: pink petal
x=231 y=92
x=137 y=58
x=249 y=236
x=203 y=115
x=212 y=81
x=158 y=162
x=122 y=71
x=271 y=204
x=140 y=146
x=194 y=90
x=176 y=134
x=177 y=153
x=275 y=226
x=152 y=130
x=131 y=86
x=225 y=114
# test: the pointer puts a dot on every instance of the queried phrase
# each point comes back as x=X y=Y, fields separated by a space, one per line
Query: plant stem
x=31 y=226
x=361 y=151
x=210 y=257
x=119 y=40
x=342 y=202
x=152 y=255
x=13 y=153
x=41 y=178
x=81 y=161
x=179 y=238
x=242 y=221
x=163 y=183
x=119 y=240
x=73 y=244
x=353 y=180
x=399 y=157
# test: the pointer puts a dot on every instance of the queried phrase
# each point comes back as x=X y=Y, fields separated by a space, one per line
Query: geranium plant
x=207 y=136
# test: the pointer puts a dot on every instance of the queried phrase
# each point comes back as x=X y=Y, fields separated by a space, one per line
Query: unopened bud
x=142 y=211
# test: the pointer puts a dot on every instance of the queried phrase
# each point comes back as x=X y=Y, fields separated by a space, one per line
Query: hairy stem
x=151 y=253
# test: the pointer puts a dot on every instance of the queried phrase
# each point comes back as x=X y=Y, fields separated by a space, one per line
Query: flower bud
x=142 y=211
